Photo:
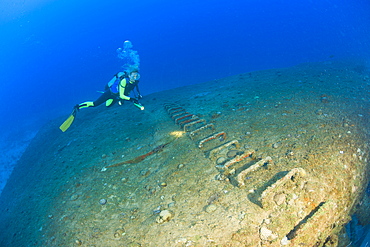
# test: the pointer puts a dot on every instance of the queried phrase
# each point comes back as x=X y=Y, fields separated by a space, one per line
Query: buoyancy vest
x=122 y=86
x=114 y=88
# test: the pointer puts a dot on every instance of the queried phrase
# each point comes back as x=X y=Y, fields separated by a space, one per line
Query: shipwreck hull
x=268 y=158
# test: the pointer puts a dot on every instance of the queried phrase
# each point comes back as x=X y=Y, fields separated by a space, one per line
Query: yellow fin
x=67 y=123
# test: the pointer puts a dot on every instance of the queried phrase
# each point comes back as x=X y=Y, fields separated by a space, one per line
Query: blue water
x=55 y=54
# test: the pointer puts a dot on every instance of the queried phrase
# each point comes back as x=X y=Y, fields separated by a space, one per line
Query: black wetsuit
x=108 y=93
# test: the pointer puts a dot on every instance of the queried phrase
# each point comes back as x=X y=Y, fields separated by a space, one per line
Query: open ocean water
x=55 y=54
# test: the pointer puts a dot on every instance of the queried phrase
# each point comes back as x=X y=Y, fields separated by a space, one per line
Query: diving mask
x=134 y=76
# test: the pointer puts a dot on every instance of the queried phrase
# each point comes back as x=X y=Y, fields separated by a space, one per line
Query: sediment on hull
x=294 y=178
x=242 y=175
x=213 y=154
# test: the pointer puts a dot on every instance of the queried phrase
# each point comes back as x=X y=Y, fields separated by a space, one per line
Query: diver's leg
x=104 y=97
x=85 y=105
x=109 y=102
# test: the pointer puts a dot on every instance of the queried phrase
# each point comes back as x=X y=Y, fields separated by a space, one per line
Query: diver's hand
x=133 y=100
x=139 y=96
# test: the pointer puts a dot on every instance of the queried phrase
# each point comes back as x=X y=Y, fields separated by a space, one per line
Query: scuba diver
x=117 y=90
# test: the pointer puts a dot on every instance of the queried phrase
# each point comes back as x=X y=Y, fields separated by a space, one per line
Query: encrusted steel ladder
x=284 y=194
x=212 y=142
x=198 y=129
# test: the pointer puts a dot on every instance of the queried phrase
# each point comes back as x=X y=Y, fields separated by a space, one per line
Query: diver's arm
x=123 y=96
x=122 y=87
x=138 y=91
